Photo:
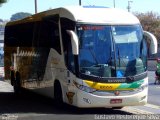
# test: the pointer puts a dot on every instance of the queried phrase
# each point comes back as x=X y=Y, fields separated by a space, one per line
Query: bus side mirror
x=153 y=42
x=74 y=42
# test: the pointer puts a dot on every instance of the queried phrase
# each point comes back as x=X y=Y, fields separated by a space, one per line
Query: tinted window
x=47 y=34
x=19 y=35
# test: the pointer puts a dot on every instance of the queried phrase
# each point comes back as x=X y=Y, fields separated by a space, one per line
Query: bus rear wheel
x=17 y=84
x=12 y=78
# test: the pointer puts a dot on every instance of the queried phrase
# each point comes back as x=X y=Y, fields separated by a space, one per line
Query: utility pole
x=114 y=3
x=35 y=3
x=129 y=6
x=79 y=2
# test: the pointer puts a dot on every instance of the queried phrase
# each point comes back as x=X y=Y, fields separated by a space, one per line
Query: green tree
x=19 y=15
x=2 y=1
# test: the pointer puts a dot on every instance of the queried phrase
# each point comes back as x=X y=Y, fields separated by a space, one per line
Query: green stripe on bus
x=130 y=86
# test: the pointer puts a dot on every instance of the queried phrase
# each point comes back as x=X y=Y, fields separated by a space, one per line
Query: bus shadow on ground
x=33 y=103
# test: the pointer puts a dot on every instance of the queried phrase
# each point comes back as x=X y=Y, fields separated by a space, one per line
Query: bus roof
x=87 y=14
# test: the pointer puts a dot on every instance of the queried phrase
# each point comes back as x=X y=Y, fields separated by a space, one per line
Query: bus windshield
x=111 y=51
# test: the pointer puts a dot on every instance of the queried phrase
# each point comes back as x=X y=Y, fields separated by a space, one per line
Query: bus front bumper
x=89 y=100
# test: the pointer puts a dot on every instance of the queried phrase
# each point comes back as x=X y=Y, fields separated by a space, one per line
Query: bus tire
x=12 y=78
x=17 y=84
x=58 y=94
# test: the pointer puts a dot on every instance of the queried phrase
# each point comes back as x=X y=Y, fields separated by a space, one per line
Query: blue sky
x=14 y=6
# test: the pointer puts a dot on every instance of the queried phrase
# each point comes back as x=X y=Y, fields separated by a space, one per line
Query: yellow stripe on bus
x=102 y=86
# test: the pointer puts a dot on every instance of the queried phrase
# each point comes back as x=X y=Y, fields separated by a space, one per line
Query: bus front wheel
x=117 y=107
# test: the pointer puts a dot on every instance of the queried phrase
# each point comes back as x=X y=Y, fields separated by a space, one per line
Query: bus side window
x=55 y=39
x=25 y=36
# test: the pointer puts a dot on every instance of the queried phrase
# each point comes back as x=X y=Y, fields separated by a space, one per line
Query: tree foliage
x=150 y=22
x=19 y=15
x=2 y=1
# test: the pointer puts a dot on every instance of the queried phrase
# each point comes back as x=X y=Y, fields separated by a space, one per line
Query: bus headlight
x=84 y=88
x=142 y=87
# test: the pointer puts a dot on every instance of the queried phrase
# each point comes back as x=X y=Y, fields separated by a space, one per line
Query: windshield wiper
x=119 y=59
x=114 y=50
x=93 y=55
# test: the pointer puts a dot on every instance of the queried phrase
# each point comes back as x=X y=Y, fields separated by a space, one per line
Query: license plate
x=115 y=101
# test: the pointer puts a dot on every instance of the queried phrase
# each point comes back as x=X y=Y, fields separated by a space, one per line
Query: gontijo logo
x=114 y=86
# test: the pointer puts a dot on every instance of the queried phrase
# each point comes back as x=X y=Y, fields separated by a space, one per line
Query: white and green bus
x=83 y=56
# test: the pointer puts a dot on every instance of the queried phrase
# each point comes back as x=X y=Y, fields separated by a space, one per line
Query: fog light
x=87 y=100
